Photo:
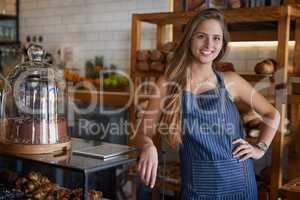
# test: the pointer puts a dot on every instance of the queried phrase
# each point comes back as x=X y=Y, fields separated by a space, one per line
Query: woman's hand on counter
x=148 y=164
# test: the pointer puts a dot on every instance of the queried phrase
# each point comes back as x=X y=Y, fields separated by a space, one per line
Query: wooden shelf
x=117 y=99
x=255 y=24
x=266 y=35
x=148 y=73
x=251 y=77
x=257 y=77
x=294 y=78
x=4 y=16
x=9 y=42
x=292 y=99
x=257 y=14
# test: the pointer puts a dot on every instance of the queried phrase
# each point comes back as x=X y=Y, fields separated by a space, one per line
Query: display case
x=85 y=168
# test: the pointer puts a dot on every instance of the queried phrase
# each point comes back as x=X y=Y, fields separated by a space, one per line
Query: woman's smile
x=206 y=52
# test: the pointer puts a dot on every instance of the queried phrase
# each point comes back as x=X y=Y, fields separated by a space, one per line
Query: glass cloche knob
x=35 y=53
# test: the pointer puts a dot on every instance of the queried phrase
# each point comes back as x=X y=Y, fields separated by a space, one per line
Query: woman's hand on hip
x=244 y=150
x=148 y=164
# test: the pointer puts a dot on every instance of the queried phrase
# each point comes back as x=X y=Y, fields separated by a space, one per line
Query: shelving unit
x=16 y=19
x=280 y=16
x=9 y=37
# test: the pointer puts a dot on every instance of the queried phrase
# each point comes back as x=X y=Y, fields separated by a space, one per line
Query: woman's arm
x=243 y=91
x=148 y=162
x=151 y=115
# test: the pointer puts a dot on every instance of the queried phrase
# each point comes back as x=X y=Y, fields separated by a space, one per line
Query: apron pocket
x=218 y=177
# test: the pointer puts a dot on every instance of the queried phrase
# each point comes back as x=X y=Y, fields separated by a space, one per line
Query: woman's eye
x=200 y=36
x=217 y=38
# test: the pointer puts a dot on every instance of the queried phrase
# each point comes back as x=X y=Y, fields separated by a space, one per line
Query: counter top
x=80 y=163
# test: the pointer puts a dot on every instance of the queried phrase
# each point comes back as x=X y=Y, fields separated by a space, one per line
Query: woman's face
x=207 y=41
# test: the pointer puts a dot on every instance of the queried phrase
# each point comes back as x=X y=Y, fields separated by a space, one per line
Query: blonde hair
x=176 y=72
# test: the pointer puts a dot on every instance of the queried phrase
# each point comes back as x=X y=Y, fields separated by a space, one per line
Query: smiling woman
x=195 y=111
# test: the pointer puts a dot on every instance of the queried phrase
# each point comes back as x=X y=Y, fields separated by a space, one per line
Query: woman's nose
x=209 y=43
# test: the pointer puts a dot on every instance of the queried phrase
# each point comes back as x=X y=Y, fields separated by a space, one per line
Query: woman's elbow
x=275 y=116
x=272 y=118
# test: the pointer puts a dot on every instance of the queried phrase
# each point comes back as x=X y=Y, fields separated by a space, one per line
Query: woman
x=199 y=115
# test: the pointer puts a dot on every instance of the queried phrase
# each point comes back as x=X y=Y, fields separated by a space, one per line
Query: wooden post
x=160 y=36
x=295 y=114
x=177 y=29
x=135 y=45
x=178 y=5
x=293 y=145
x=297 y=48
x=281 y=77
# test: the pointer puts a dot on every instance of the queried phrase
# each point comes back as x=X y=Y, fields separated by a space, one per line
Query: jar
x=34 y=108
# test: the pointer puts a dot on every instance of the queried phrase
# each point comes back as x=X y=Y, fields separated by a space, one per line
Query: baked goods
x=143 y=55
x=143 y=66
x=155 y=59
x=267 y=66
x=38 y=187
x=30 y=131
x=156 y=55
x=157 y=66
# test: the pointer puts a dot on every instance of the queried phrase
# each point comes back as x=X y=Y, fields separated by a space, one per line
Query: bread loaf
x=143 y=55
x=267 y=66
x=157 y=66
x=143 y=66
x=156 y=55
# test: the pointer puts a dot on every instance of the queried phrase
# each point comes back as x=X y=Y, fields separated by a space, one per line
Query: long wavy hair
x=176 y=73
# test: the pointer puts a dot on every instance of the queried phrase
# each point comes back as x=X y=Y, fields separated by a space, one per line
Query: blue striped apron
x=211 y=122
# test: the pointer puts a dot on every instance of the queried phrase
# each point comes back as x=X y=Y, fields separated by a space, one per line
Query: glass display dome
x=34 y=107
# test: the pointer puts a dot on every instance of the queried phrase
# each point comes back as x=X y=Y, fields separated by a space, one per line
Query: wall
x=88 y=27
x=103 y=27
